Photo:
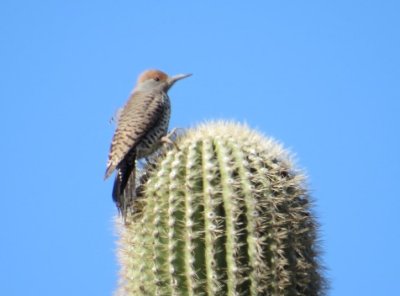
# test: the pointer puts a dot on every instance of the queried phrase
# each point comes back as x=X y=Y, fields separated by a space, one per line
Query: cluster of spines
x=226 y=214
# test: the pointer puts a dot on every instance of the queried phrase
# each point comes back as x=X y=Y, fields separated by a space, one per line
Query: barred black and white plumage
x=141 y=125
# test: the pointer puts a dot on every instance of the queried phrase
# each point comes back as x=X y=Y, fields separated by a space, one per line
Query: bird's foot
x=167 y=138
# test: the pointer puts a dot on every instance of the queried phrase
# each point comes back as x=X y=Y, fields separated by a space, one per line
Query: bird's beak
x=173 y=79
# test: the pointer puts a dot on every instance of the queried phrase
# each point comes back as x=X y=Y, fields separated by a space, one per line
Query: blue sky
x=320 y=76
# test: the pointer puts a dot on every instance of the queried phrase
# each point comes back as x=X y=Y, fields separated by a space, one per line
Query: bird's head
x=156 y=79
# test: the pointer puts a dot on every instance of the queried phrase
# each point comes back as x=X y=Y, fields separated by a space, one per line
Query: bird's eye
x=157 y=78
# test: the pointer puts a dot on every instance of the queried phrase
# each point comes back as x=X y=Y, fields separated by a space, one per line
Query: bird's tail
x=124 y=190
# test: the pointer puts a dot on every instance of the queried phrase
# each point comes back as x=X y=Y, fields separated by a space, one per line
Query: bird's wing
x=136 y=119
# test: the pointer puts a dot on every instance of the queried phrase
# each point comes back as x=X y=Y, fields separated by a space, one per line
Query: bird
x=142 y=125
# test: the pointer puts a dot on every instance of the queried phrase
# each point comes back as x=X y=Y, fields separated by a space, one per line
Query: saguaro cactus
x=226 y=214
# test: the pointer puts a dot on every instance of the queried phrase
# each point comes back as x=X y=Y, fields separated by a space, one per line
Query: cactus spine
x=227 y=214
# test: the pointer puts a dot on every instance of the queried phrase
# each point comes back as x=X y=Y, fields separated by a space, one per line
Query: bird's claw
x=167 y=139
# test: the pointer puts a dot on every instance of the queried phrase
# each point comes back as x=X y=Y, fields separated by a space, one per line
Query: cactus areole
x=226 y=214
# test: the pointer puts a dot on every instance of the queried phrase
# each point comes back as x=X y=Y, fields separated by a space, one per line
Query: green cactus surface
x=224 y=214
